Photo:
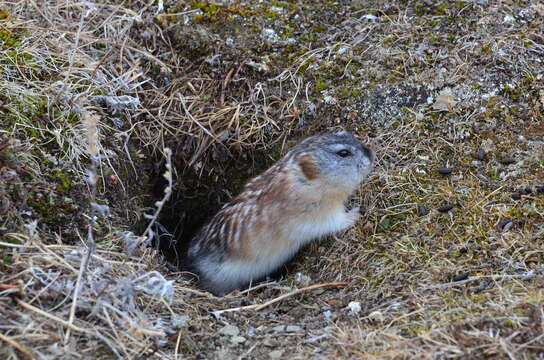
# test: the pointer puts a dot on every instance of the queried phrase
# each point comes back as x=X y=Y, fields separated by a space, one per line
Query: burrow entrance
x=200 y=189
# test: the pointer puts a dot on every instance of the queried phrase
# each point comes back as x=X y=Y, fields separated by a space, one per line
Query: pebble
x=460 y=276
x=480 y=155
x=302 y=279
x=505 y=224
x=540 y=189
x=230 y=330
x=318 y=291
x=288 y=328
x=507 y=160
x=445 y=170
x=355 y=307
x=276 y=354
x=516 y=196
x=238 y=339
x=422 y=210
x=269 y=342
x=525 y=191
x=445 y=208
x=292 y=328
x=376 y=316
x=180 y=321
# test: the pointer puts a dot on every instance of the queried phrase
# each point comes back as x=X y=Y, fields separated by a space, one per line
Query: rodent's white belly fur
x=236 y=272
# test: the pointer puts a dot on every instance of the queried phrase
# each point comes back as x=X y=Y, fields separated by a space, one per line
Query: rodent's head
x=337 y=159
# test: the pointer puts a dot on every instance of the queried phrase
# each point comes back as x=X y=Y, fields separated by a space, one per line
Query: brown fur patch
x=308 y=166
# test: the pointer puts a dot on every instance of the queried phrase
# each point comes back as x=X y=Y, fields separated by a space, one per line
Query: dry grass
x=92 y=94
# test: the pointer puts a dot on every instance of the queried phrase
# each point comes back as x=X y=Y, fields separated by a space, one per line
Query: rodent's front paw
x=353 y=216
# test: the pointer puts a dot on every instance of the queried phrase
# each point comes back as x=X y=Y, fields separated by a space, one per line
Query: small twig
x=225 y=84
x=167 y=192
x=178 y=341
x=256 y=287
x=258 y=307
x=49 y=316
x=20 y=287
x=8 y=286
x=82 y=269
x=18 y=346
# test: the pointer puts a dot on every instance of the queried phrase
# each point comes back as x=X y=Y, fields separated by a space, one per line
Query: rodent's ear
x=308 y=166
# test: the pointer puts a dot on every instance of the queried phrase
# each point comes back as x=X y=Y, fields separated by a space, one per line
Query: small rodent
x=300 y=198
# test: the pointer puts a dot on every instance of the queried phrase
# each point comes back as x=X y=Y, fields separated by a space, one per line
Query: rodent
x=299 y=199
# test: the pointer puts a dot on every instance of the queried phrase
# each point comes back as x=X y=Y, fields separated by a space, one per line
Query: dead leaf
x=445 y=101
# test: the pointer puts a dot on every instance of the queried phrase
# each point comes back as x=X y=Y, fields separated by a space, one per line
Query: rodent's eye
x=344 y=153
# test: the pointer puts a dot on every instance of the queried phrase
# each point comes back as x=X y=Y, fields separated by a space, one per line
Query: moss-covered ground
x=447 y=261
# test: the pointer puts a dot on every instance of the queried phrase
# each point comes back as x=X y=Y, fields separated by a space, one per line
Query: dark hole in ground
x=199 y=194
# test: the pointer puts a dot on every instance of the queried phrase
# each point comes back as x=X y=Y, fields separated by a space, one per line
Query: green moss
x=212 y=12
x=344 y=93
x=528 y=80
x=485 y=48
x=155 y=69
x=319 y=28
x=4 y=13
x=388 y=40
x=63 y=180
x=321 y=85
x=460 y=4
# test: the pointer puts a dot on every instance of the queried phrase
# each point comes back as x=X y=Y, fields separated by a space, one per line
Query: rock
x=288 y=328
x=229 y=330
x=276 y=354
x=269 y=35
x=460 y=276
x=269 y=342
x=515 y=196
x=354 y=307
x=376 y=316
x=238 y=339
x=318 y=291
x=422 y=210
x=302 y=279
x=180 y=321
x=292 y=328
x=445 y=170
x=507 y=160
x=445 y=101
x=445 y=208
x=505 y=224
x=279 y=328
x=480 y=154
